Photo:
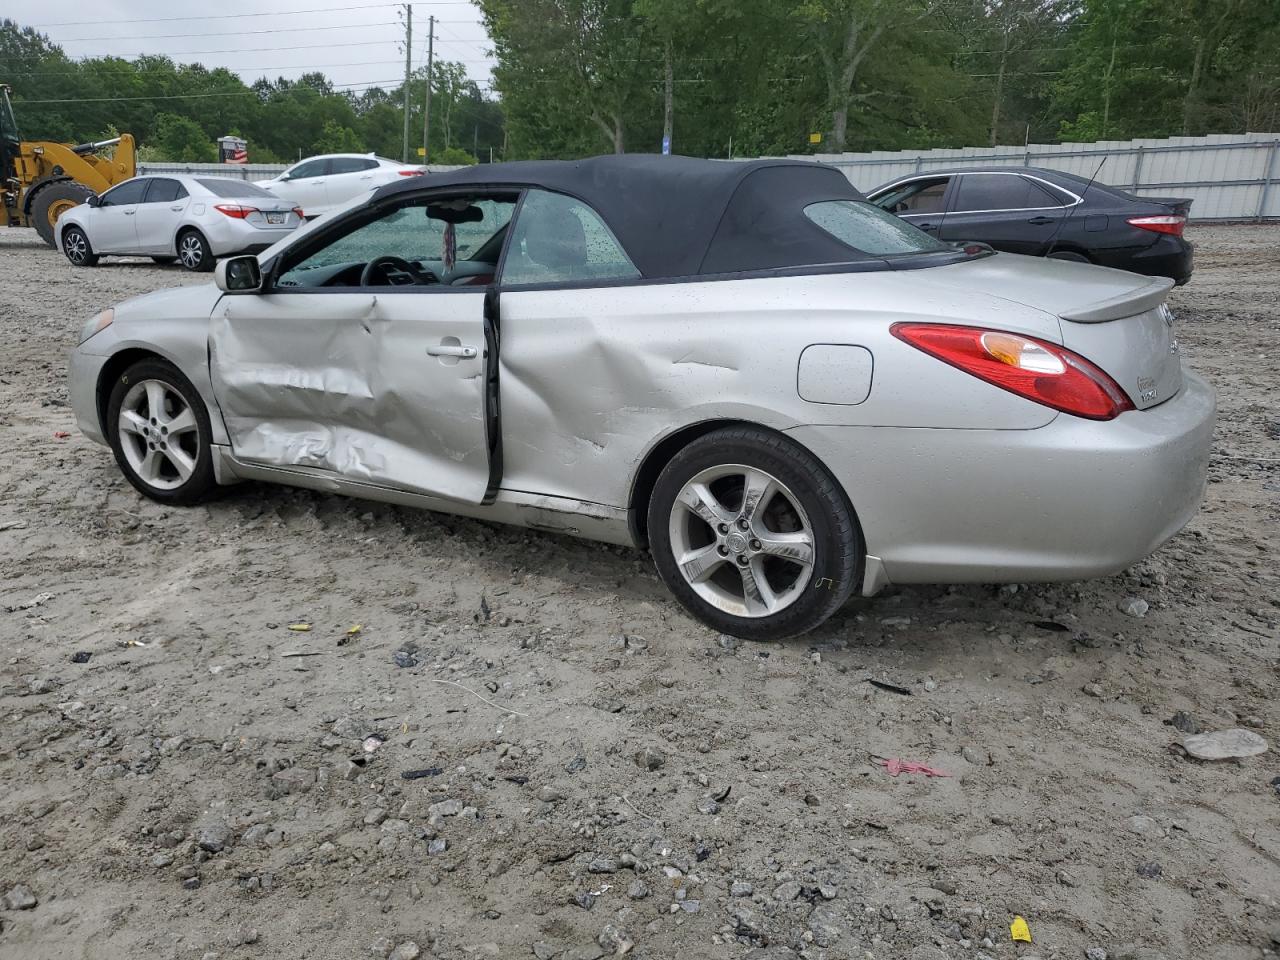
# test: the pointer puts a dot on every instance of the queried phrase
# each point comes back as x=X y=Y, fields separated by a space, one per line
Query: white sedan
x=319 y=184
x=190 y=219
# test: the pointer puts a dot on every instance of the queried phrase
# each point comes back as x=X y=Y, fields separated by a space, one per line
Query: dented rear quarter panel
x=593 y=379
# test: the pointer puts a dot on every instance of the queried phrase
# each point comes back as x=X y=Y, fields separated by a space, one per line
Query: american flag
x=239 y=155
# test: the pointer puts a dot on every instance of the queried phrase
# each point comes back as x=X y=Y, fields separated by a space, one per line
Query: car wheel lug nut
x=724 y=551
x=755 y=544
x=742 y=560
x=723 y=528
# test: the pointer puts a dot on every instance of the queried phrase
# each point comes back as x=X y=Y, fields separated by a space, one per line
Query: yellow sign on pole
x=815 y=138
x=422 y=151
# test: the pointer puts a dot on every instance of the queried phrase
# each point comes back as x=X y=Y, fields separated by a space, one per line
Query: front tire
x=75 y=244
x=52 y=201
x=752 y=535
x=159 y=431
x=194 y=252
x=1069 y=255
x=163 y=261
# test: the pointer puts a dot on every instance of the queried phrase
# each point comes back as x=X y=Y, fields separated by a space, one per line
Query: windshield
x=224 y=187
x=8 y=123
x=870 y=230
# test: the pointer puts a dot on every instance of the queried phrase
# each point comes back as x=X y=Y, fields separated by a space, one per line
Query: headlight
x=97 y=324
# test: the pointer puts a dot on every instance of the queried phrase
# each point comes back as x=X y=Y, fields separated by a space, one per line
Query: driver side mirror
x=94 y=201
x=238 y=275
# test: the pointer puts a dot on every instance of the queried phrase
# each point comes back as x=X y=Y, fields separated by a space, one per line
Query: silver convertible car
x=785 y=393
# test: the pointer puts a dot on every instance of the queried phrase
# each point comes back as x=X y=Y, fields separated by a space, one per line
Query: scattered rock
x=651 y=758
x=708 y=806
x=825 y=925
x=615 y=939
x=1225 y=744
x=550 y=795
x=437 y=846
x=406 y=951
x=1095 y=953
x=1184 y=722
x=213 y=836
x=20 y=898
x=445 y=808
x=741 y=888
x=1133 y=607
x=1150 y=871
x=1145 y=827
x=638 y=890
x=602 y=865
x=1092 y=689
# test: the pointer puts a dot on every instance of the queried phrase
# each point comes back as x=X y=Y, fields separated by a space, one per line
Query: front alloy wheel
x=159 y=431
x=753 y=535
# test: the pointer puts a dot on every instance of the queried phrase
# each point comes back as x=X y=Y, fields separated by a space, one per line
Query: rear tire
x=159 y=431
x=193 y=251
x=75 y=244
x=52 y=201
x=164 y=261
x=752 y=534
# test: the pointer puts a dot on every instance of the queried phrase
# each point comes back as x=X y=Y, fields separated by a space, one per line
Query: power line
x=240 y=16
x=197 y=96
x=232 y=33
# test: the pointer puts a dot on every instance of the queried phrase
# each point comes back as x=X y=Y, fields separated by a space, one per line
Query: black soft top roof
x=679 y=216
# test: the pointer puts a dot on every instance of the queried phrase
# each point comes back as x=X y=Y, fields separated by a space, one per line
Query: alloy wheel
x=191 y=251
x=741 y=540
x=75 y=246
x=159 y=434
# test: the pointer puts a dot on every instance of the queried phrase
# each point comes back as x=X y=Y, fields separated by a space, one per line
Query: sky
x=356 y=44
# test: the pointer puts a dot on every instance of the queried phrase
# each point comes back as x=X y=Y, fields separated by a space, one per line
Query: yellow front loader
x=43 y=179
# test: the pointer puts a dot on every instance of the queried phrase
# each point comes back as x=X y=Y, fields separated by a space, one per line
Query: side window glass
x=919 y=196
x=164 y=190
x=558 y=239
x=131 y=191
x=408 y=233
x=311 y=168
x=997 y=191
x=349 y=164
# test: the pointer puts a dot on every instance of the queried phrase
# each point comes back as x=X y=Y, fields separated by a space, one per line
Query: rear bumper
x=237 y=236
x=1073 y=499
x=1170 y=257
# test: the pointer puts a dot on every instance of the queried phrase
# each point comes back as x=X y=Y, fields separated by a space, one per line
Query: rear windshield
x=870 y=230
x=222 y=187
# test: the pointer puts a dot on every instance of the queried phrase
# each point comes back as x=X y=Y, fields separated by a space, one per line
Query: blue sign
x=666 y=146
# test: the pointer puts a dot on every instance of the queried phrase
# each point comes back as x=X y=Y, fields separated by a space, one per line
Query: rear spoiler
x=1139 y=300
x=1178 y=206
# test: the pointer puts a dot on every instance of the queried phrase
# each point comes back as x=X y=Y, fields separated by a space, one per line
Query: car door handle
x=925 y=226
x=129 y=213
x=317 y=183
x=450 y=350
x=177 y=209
x=1040 y=221
x=367 y=176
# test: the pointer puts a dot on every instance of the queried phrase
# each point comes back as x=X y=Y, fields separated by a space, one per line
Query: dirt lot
x=597 y=770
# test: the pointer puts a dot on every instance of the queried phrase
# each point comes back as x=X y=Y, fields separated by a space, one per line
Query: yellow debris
x=1019 y=930
x=300 y=627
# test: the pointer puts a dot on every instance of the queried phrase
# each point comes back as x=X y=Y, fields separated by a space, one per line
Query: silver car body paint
x=952 y=479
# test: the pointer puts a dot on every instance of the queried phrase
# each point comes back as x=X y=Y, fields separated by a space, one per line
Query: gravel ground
x=594 y=772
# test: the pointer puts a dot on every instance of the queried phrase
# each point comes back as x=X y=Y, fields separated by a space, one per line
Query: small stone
x=638 y=890
x=1184 y=722
x=544 y=951
x=191 y=883
x=382 y=947
x=1150 y=871
x=20 y=898
x=445 y=808
x=650 y=758
x=374 y=817
x=741 y=888
x=404 y=660
x=1092 y=689
x=406 y=951
x=691 y=906
x=437 y=846
x=1133 y=607
x=213 y=837
x=1145 y=827
x=81 y=656
x=786 y=892
x=162 y=860
x=1095 y=953
x=708 y=806
x=615 y=939
x=825 y=925
x=602 y=865
x=550 y=795
x=979 y=758
x=584 y=899
x=349 y=729
x=1225 y=745
x=39 y=685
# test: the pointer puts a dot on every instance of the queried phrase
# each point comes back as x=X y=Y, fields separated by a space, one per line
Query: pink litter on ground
x=894 y=766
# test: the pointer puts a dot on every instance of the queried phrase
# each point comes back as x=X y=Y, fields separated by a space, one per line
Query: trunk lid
x=1115 y=319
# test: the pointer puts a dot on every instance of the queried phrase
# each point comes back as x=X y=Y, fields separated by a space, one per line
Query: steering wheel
x=377 y=267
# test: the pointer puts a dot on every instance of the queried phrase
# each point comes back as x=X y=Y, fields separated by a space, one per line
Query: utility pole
x=667 y=105
x=408 y=69
x=426 y=113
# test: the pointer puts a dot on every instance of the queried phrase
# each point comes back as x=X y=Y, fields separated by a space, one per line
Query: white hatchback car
x=190 y=219
x=319 y=184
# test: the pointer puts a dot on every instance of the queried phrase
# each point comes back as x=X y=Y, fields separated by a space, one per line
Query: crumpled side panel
x=343 y=383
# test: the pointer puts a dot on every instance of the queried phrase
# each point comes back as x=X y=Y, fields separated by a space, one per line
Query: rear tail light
x=1172 y=225
x=234 y=210
x=298 y=211
x=412 y=173
x=1039 y=371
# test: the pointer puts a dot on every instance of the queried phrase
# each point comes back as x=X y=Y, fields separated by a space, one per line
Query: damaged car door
x=358 y=359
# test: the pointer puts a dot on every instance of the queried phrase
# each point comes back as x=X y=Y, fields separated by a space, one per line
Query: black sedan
x=1045 y=213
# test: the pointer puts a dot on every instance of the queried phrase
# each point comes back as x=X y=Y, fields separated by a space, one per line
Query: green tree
x=337 y=139
x=179 y=140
